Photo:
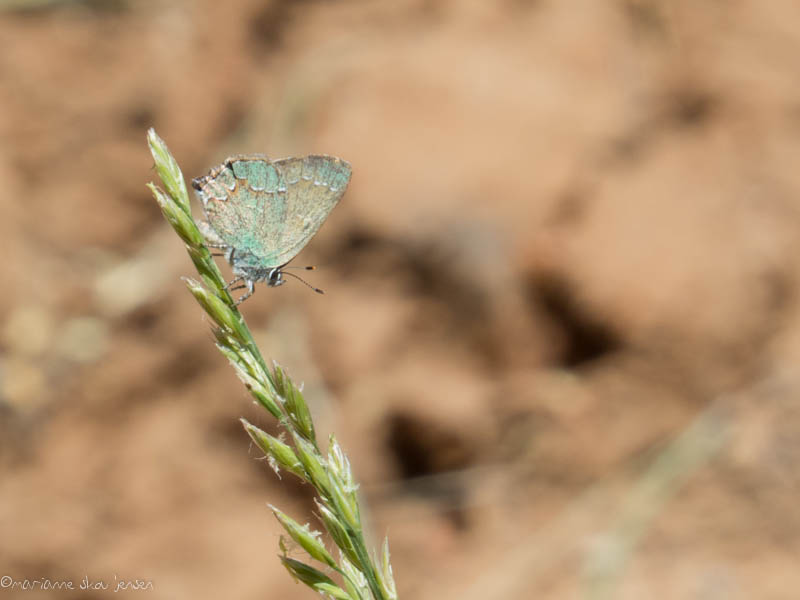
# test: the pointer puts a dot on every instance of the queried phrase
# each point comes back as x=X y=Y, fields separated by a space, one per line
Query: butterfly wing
x=245 y=203
x=314 y=186
x=268 y=211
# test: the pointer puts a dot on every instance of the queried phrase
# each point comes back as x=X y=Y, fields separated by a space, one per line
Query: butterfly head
x=275 y=277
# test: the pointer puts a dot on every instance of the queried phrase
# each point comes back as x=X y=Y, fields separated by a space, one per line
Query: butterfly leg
x=248 y=283
x=251 y=288
x=232 y=281
x=228 y=254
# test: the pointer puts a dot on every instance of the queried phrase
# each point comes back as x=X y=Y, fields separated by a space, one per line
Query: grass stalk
x=362 y=578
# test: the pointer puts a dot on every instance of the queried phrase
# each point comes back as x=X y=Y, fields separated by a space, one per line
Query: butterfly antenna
x=307 y=268
x=316 y=289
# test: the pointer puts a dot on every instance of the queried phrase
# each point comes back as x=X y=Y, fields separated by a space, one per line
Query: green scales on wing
x=262 y=212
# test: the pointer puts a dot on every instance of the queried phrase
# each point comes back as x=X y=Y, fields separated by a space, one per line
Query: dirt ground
x=561 y=327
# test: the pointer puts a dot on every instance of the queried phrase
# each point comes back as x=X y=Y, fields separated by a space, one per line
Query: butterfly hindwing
x=245 y=202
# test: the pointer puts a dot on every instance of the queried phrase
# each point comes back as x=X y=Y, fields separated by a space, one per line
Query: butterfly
x=261 y=213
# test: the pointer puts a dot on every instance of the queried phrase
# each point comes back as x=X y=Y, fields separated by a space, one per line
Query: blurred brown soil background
x=561 y=329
